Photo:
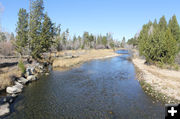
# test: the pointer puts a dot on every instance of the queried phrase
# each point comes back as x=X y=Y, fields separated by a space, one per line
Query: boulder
x=22 y=80
x=31 y=78
x=30 y=71
x=41 y=67
x=46 y=74
x=7 y=99
x=14 y=95
x=14 y=89
x=4 y=109
x=18 y=85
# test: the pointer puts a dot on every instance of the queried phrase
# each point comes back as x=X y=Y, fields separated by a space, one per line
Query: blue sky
x=120 y=17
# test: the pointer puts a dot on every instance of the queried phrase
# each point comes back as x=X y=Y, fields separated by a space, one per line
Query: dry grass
x=164 y=81
x=6 y=74
x=83 y=56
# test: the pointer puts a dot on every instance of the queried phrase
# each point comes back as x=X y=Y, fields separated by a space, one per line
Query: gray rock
x=22 y=80
x=41 y=67
x=31 y=78
x=11 y=100
x=14 y=95
x=14 y=89
x=30 y=71
x=6 y=99
x=18 y=85
x=46 y=74
x=4 y=109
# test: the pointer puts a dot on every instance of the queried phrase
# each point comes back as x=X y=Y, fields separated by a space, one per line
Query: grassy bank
x=68 y=59
x=6 y=75
x=162 y=84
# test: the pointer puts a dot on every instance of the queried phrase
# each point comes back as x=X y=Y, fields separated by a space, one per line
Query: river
x=98 y=89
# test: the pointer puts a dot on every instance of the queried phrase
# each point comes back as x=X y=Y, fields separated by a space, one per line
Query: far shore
x=74 y=58
x=162 y=84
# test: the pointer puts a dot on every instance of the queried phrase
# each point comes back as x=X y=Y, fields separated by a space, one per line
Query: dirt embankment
x=163 y=84
x=6 y=75
x=8 y=69
x=68 y=59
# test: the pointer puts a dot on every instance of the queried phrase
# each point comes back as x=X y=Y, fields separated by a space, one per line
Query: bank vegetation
x=156 y=51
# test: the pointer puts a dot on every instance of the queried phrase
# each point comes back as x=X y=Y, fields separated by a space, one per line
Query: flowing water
x=99 y=89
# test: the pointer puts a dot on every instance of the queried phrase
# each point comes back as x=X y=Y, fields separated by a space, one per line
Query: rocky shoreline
x=33 y=71
x=151 y=86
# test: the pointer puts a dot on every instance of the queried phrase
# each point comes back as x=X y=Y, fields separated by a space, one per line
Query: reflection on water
x=99 y=89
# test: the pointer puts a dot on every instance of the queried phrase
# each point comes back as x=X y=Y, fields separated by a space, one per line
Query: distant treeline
x=158 y=42
x=86 y=41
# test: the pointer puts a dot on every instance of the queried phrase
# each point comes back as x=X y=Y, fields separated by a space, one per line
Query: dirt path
x=164 y=81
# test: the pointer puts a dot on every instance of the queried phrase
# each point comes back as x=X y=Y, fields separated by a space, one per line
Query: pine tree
x=144 y=43
x=163 y=23
x=175 y=30
x=47 y=34
x=36 y=27
x=74 y=42
x=22 y=31
x=104 y=41
x=170 y=48
x=58 y=43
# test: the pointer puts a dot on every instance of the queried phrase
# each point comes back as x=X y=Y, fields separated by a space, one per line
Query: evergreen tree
x=80 y=41
x=104 y=41
x=170 y=48
x=175 y=30
x=58 y=43
x=163 y=23
x=36 y=27
x=143 y=41
x=22 y=31
x=47 y=34
x=155 y=23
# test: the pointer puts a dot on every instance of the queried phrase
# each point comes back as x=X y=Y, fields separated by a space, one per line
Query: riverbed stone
x=31 y=78
x=22 y=80
x=14 y=95
x=47 y=74
x=30 y=71
x=18 y=85
x=4 y=109
x=14 y=89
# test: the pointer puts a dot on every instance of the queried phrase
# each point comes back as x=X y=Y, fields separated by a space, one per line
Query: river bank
x=68 y=59
x=162 y=84
x=12 y=83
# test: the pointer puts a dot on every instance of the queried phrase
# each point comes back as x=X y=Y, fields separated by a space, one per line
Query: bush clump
x=22 y=67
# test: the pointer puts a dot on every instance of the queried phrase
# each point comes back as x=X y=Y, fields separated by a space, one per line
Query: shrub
x=22 y=67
